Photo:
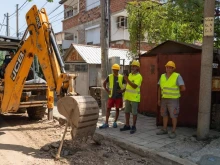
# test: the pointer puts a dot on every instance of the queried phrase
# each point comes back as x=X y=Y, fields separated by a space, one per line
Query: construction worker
x=132 y=96
x=115 y=89
x=170 y=86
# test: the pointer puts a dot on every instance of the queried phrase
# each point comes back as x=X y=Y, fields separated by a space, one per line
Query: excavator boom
x=41 y=43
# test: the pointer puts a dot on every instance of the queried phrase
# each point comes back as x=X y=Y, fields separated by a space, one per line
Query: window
x=122 y=22
x=69 y=67
x=90 y=4
x=93 y=35
x=70 y=11
x=81 y=68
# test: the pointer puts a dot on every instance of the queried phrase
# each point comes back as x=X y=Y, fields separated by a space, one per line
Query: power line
x=19 y=8
x=57 y=20
x=64 y=9
x=21 y=26
x=2 y=23
x=25 y=6
x=54 y=9
x=25 y=22
x=22 y=5
x=72 y=5
x=44 y=5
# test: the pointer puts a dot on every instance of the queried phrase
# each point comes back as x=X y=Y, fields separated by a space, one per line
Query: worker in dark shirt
x=115 y=89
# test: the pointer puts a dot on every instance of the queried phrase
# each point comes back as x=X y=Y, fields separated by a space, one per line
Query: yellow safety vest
x=111 y=83
x=169 y=87
x=132 y=94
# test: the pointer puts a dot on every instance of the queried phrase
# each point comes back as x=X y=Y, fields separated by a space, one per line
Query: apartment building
x=82 y=22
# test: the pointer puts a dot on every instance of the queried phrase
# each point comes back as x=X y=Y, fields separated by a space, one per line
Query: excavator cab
x=21 y=87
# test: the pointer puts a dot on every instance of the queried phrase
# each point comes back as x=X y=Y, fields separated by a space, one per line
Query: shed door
x=149 y=72
x=188 y=65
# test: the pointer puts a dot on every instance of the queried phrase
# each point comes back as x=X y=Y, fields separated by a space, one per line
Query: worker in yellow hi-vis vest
x=115 y=89
x=170 y=86
x=132 y=96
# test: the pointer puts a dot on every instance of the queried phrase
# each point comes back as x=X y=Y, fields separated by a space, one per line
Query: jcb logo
x=17 y=66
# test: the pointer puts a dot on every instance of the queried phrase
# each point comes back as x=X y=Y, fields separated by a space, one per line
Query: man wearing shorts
x=115 y=89
x=171 y=84
x=132 y=96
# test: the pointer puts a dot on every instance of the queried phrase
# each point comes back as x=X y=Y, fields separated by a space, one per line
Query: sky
x=55 y=16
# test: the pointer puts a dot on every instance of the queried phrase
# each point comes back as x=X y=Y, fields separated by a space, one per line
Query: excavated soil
x=27 y=142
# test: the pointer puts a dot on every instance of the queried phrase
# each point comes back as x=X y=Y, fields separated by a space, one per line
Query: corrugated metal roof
x=8 y=43
x=92 y=54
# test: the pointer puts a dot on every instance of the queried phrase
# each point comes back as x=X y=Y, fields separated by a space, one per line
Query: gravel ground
x=27 y=142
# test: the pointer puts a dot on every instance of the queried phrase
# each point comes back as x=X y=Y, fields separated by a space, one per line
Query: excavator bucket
x=82 y=113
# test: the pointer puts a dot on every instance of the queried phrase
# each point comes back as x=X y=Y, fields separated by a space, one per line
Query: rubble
x=42 y=140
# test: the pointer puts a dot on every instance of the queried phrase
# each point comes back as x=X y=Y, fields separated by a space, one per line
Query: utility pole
x=206 y=71
x=17 y=32
x=7 y=24
x=104 y=50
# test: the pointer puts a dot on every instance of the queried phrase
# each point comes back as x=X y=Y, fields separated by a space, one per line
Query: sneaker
x=162 y=132
x=115 y=125
x=133 y=130
x=104 y=126
x=172 y=135
x=125 y=128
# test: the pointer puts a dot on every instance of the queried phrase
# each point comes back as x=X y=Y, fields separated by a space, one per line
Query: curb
x=159 y=157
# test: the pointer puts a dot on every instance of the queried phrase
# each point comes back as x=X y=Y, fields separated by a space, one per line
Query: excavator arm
x=40 y=43
x=81 y=111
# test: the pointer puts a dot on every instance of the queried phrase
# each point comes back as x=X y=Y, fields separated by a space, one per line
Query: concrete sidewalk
x=184 y=149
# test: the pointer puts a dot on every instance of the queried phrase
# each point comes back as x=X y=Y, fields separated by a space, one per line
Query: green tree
x=156 y=22
x=216 y=25
x=2 y=57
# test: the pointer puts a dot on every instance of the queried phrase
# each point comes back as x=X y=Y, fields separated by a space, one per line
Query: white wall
x=118 y=33
x=93 y=34
x=94 y=75
x=82 y=86
x=66 y=44
x=59 y=37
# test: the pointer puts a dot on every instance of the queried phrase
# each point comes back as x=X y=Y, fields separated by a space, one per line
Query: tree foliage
x=2 y=57
x=155 y=22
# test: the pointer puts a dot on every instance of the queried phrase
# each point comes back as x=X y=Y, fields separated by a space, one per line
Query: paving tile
x=135 y=139
x=152 y=132
x=149 y=139
x=153 y=145
x=144 y=135
x=166 y=141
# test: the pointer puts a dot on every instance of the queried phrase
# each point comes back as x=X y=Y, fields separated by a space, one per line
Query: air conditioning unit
x=122 y=22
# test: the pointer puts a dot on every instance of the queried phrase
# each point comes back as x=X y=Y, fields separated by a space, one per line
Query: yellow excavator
x=38 y=41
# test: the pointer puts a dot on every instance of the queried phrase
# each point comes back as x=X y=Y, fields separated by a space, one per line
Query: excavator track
x=81 y=112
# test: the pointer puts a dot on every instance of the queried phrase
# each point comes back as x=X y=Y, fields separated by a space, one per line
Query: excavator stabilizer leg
x=82 y=113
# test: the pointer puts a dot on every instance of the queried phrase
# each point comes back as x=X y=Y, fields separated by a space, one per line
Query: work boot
x=133 y=130
x=162 y=132
x=115 y=125
x=172 y=135
x=104 y=126
x=125 y=128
